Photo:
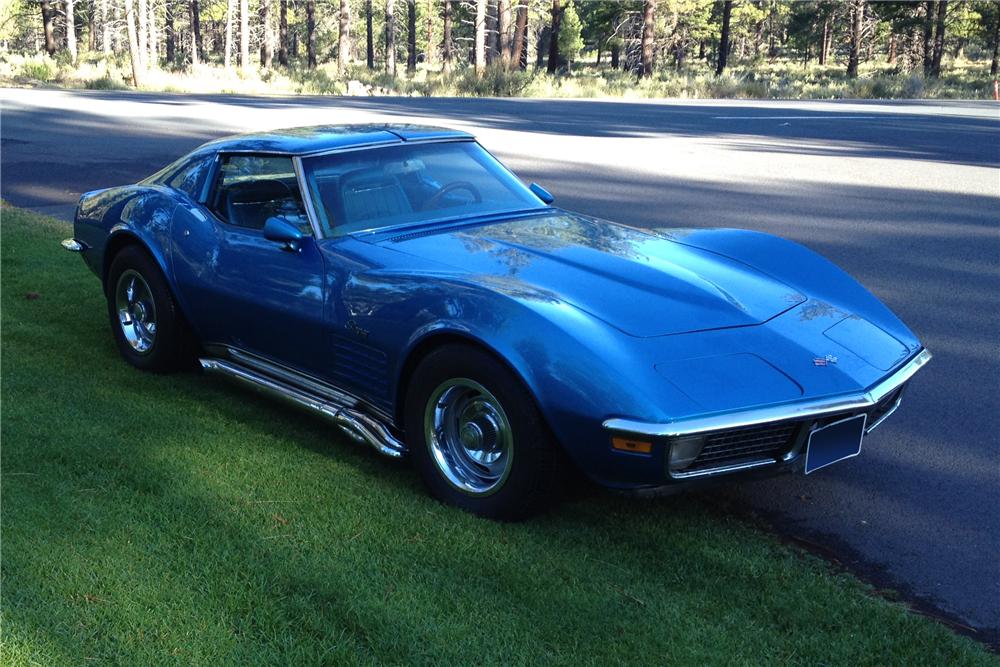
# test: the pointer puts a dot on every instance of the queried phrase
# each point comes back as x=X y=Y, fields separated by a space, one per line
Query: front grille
x=746 y=444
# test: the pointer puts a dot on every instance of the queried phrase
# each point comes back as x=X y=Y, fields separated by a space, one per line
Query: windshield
x=383 y=187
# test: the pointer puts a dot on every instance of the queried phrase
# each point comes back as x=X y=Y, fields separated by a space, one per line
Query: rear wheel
x=476 y=437
x=147 y=326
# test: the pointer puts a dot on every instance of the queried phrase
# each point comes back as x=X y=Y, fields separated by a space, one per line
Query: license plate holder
x=835 y=442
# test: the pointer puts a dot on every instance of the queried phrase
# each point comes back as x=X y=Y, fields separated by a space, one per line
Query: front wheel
x=476 y=437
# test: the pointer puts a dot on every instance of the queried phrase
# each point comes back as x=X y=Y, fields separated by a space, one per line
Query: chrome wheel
x=469 y=436
x=136 y=311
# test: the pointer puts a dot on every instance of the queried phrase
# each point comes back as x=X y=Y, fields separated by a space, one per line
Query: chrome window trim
x=779 y=413
x=307 y=198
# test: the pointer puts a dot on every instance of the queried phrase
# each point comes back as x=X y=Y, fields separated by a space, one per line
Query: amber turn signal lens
x=634 y=446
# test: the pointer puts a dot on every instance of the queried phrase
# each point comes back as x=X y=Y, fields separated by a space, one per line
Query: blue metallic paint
x=599 y=320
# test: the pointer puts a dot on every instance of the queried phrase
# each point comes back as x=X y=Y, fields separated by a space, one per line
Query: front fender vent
x=360 y=366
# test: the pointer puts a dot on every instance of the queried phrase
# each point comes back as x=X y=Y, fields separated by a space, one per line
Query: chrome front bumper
x=879 y=400
x=786 y=412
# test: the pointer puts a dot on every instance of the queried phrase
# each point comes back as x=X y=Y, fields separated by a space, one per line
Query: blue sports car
x=401 y=282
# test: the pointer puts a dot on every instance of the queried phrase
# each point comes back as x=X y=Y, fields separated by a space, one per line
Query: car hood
x=641 y=283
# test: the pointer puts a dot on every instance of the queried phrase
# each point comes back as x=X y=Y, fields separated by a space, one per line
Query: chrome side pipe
x=353 y=421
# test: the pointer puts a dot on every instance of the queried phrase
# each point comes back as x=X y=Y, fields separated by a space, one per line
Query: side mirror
x=282 y=231
x=542 y=193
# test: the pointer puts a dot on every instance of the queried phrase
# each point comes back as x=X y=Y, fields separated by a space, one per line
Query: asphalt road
x=904 y=196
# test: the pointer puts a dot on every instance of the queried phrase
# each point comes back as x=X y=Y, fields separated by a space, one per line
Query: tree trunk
x=857 y=14
x=170 y=27
x=503 y=32
x=390 y=37
x=727 y=12
x=520 y=45
x=283 y=32
x=892 y=49
x=557 y=14
x=344 y=37
x=70 y=31
x=429 y=28
x=92 y=28
x=310 y=32
x=411 y=36
x=942 y=11
x=133 y=43
x=929 y=8
x=104 y=17
x=828 y=45
x=245 y=34
x=480 y=46
x=914 y=42
x=616 y=55
x=824 y=45
x=491 y=31
x=152 y=44
x=996 y=47
x=227 y=57
x=542 y=46
x=196 y=47
x=369 y=36
x=267 y=36
x=48 y=21
x=142 y=15
x=446 y=45
x=522 y=60
x=648 y=28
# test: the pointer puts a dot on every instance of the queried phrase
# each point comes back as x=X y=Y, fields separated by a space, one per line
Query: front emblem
x=828 y=360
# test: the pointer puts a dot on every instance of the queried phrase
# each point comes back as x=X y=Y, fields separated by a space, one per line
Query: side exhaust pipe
x=354 y=422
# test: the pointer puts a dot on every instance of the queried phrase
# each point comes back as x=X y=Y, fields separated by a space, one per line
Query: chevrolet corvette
x=399 y=281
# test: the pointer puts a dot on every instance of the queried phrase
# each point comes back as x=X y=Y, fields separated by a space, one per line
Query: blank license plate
x=835 y=442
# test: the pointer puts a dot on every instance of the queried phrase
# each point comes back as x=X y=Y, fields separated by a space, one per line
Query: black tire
x=531 y=477
x=171 y=346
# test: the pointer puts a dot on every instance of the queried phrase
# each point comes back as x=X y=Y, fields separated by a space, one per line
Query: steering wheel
x=450 y=187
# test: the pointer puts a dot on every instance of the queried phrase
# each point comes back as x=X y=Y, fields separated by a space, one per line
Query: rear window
x=191 y=178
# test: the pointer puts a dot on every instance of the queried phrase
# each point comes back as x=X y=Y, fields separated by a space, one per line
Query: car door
x=240 y=289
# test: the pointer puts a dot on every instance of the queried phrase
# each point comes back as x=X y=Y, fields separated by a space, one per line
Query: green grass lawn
x=179 y=520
